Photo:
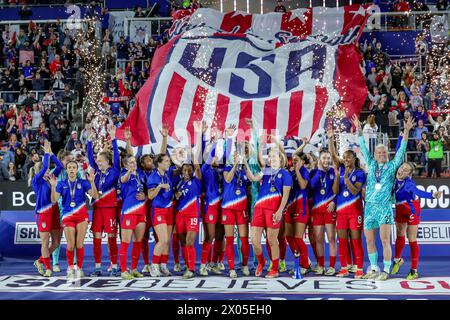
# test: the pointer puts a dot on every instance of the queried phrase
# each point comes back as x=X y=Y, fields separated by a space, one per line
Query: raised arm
x=252 y=177
x=164 y=132
x=362 y=142
x=59 y=167
x=332 y=148
x=45 y=163
x=90 y=175
x=90 y=151
x=116 y=154
x=399 y=155
x=54 y=194
x=127 y=133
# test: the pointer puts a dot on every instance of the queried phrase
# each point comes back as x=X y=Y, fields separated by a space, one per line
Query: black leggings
x=435 y=164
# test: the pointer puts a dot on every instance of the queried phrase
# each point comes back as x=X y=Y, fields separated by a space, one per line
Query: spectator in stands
x=106 y=43
x=36 y=116
x=439 y=122
x=381 y=113
x=5 y=159
x=370 y=131
x=70 y=145
x=58 y=81
x=435 y=154
x=37 y=84
x=280 y=7
x=25 y=13
x=402 y=103
x=385 y=84
x=104 y=18
x=423 y=147
x=7 y=84
x=420 y=114
x=13 y=175
x=401 y=6
x=55 y=65
x=57 y=134
x=441 y=5
x=43 y=69
x=66 y=70
x=139 y=13
x=372 y=77
x=19 y=160
x=419 y=130
x=122 y=52
x=29 y=101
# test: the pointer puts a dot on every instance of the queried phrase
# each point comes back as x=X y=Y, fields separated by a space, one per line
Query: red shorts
x=235 y=217
x=295 y=216
x=350 y=221
x=321 y=218
x=212 y=213
x=104 y=220
x=410 y=219
x=49 y=220
x=130 y=221
x=162 y=216
x=75 y=219
x=185 y=224
x=263 y=218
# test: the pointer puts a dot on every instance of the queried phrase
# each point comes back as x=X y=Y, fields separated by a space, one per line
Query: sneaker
x=233 y=274
x=359 y=274
x=383 y=276
x=304 y=271
x=209 y=266
x=320 y=270
x=370 y=275
x=126 y=276
x=313 y=268
x=70 y=274
x=259 y=269
x=56 y=268
x=146 y=269
x=413 y=275
x=343 y=273
x=154 y=270
x=291 y=272
x=39 y=266
x=245 y=271
x=397 y=265
x=216 y=270
x=97 y=272
x=79 y=273
x=109 y=268
x=221 y=266
x=272 y=274
x=270 y=266
x=188 y=274
x=176 y=267
x=282 y=266
x=136 y=274
x=114 y=272
x=164 y=270
x=47 y=273
x=353 y=268
x=203 y=271
x=330 y=271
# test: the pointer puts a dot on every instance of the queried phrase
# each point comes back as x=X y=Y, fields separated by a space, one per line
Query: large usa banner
x=284 y=71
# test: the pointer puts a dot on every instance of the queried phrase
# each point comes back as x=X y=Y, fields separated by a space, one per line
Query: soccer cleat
x=164 y=270
x=413 y=275
x=233 y=274
x=146 y=269
x=383 y=276
x=272 y=274
x=320 y=270
x=330 y=271
x=259 y=269
x=359 y=274
x=370 y=275
x=282 y=266
x=56 y=268
x=47 y=273
x=126 y=276
x=216 y=270
x=343 y=273
x=353 y=268
x=114 y=272
x=70 y=274
x=245 y=271
x=304 y=271
x=397 y=265
x=176 y=267
x=79 y=274
x=221 y=266
x=97 y=272
x=39 y=266
x=270 y=266
x=154 y=270
x=188 y=274
x=136 y=274
x=203 y=271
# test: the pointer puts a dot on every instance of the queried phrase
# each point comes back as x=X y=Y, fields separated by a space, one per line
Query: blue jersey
x=189 y=202
x=42 y=187
x=298 y=197
x=164 y=198
x=129 y=191
x=212 y=184
x=407 y=197
x=322 y=188
x=106 y=182
x=347 y=202
x=271 y=191
x=79 y=189
x=235 y=191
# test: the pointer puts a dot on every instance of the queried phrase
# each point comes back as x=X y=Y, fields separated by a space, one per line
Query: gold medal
x=238 y=192
x=73 y=204
x=345 y=193
x=322 y=191
x=272 y=189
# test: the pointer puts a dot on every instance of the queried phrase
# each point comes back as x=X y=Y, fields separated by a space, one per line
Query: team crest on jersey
x=279 y=175
x=78 y=186
x=128 y=222
x=224 y=218
x=331 y=177
x=211 y=217
x=159 y=218
x=44 y=224
x=189 y=183
x=353 y=178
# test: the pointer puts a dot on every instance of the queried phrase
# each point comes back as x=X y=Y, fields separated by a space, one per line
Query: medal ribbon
x=272 y=179
x=72 y=190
